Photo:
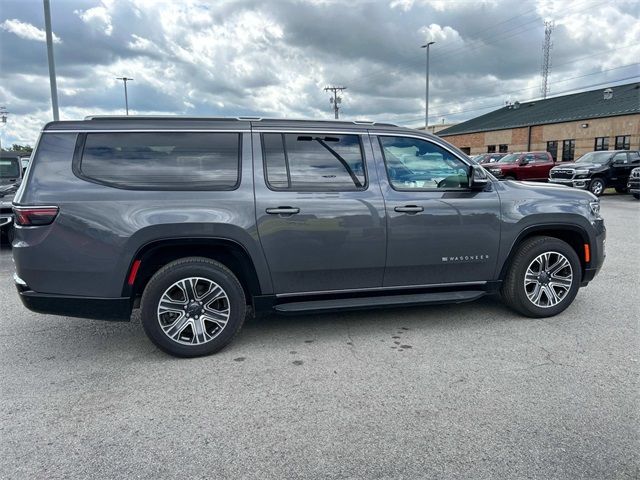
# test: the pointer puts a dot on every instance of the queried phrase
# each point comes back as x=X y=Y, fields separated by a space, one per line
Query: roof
x=565 y=108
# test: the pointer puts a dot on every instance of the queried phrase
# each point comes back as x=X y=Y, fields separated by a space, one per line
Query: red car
x=523 y=166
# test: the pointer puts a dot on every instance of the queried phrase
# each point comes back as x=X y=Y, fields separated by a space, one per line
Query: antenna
x=546 y=57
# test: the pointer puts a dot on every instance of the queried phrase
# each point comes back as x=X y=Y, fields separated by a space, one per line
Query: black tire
x=636 y=196
x=206 y=270
x=513 y=291
x=621 y=189
x=597 y=186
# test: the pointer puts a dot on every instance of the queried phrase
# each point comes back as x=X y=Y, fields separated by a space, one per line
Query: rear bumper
x=115 y=309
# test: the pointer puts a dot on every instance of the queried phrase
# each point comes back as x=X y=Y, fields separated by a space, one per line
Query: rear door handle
x=409 y=209
x=283 y=210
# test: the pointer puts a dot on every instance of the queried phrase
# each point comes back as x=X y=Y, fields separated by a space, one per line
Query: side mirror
x=478 y=179
x=525 y=161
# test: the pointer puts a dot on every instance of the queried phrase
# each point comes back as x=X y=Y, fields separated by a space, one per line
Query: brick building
x=567 y=126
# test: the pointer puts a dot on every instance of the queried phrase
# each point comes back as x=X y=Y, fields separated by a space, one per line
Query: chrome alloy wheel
x=548 y=279
x=193 y=311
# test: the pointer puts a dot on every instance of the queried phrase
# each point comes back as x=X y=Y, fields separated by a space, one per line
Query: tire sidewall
x=172 y=274
x=549 y=245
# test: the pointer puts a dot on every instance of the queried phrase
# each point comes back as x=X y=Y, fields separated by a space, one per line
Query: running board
x=379 y=301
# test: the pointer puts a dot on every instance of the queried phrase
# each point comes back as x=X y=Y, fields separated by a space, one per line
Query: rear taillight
x=34 y=216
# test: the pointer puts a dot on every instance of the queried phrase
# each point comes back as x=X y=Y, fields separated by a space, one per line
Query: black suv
x=597 y=171
x=10 y=177
x=197 y=220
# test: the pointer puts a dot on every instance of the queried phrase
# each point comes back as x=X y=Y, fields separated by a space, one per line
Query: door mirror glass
x=478 y=178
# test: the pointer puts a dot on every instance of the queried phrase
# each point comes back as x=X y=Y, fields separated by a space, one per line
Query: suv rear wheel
x=543 y=278
x=193 y=307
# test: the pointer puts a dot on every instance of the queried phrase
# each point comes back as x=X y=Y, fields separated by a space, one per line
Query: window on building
x=552 y=148
x=568 y=150
x=163 y=161
x=623 y=142
x=503 y=148
x=313 y=162
x=491 y=149
x=602 y=143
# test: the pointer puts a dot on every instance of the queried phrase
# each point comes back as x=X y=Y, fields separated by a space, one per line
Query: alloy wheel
x=193 y=311
x=548 y=279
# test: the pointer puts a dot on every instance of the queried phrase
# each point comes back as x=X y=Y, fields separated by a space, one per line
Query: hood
x=563 y=191
x=8 y=190
x=576 y=166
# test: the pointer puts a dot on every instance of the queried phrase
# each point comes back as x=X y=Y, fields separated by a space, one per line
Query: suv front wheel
x=543 y=278
x=192 y=307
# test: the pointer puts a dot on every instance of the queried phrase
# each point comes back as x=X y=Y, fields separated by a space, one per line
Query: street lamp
x=126 y=98
x=426 y=90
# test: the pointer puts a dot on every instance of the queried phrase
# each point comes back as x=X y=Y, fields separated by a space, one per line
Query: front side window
x=602 y=143
x=163 y=160
x=620 y=158
x=623 y=142
x=313 y=162
x=413 y=163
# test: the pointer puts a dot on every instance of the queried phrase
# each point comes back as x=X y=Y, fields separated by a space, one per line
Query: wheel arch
x=574 y=235
x=152 y=256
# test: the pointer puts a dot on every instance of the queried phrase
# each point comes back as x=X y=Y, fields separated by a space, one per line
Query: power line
x=336 y=99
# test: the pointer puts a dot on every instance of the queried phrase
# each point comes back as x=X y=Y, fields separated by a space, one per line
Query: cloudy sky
x=274 y=57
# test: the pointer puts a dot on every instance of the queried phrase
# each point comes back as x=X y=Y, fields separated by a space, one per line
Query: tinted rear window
x=9 y=168
x=163 y=160
x=314 y=162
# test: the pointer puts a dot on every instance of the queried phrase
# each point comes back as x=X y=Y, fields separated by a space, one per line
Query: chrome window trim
x=426 y=139
x=379 y=289
x=302 y=130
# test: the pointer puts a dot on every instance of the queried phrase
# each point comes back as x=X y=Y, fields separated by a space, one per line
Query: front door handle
x=409 y=209
x=283 y=210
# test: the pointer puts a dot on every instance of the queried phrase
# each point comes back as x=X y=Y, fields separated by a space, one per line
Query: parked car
x=485 y=158
x=10 y=176
x=597 y=171
x=633 y=185
x=197 y=220
x=523 y=166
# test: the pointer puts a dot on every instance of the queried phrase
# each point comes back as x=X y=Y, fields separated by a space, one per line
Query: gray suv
x=198 y=221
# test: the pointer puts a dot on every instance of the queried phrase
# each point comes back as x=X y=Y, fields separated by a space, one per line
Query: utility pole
x=52 y=67
x=426 y=89
x=335 y=100
x=546 y=57
x=126 y=97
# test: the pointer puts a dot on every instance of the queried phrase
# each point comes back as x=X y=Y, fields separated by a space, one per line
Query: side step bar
x=379 y=301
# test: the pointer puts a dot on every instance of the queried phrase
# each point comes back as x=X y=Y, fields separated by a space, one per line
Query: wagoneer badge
x=466 y=258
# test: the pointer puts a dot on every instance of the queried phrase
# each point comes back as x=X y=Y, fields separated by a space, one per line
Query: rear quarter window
x=162 y=160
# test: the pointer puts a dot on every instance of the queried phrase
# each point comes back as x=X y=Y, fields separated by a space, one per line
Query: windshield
x=9 y=168
x=511 y=158
x=594 y=157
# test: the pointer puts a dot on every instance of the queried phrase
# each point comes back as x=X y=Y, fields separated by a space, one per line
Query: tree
x=21 y=148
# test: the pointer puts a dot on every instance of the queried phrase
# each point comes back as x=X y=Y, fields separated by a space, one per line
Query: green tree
x=21 y=148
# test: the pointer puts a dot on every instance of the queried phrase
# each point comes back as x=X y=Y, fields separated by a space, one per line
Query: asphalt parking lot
x=454 y=391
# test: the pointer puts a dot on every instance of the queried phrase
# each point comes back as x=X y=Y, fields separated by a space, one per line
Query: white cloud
x=26 y=30
x=98 y=17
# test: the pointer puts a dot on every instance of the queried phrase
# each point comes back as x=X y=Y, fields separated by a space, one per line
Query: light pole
x=52 y=67
x=426 y=90
x=126 y=97
x=3 y=121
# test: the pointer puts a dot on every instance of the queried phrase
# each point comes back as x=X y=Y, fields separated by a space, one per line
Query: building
x=566 y=126
x=437 y=127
